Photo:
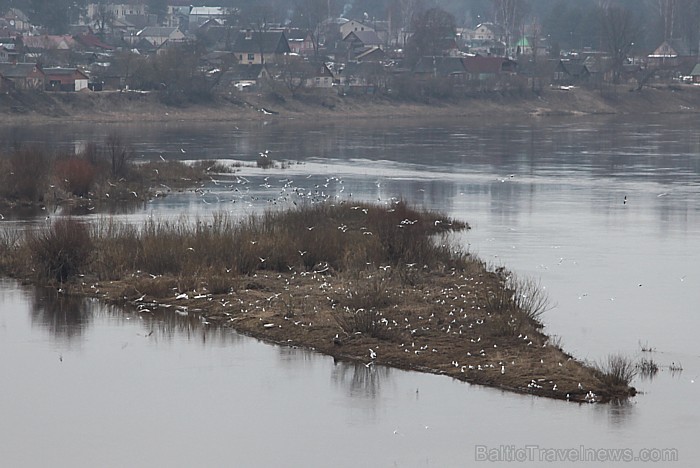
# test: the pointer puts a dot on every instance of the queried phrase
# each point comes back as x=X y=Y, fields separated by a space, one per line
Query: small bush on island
x=616 y=371
x=78 y=175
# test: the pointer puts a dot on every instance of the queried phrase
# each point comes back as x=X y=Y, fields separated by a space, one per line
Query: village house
x=488 y=32
x=362 y=39
x=257 y=47
x=242 y=77
x=201 y=14
x=178 y=17
x=354 y=26
x=22 y=76
x=322 y=77
x=65 y=79
x=115 y=10
x=7 y=55
x=439 y=66
x=370 y=54
x=11 y=49
x=362 y=78
x=17 y=20
x=158 y=35
x=90 y=42
x=695 y=73
x=301 y=41
x=671 y=53
x=571 y=72
x=49 y=49
x=485 y=39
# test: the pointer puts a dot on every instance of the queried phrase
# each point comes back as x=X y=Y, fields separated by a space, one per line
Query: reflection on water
x=64 y=317
x=360 y=380
x=68 y=318
x=544 y=199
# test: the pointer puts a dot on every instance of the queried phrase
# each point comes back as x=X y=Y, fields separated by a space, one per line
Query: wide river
x=605 y=212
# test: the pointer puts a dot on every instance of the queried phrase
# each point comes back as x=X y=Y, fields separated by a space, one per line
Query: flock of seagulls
x=284 y=192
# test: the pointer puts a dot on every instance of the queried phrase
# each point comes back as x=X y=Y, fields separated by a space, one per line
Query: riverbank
x=378 y=284
x=115 y=106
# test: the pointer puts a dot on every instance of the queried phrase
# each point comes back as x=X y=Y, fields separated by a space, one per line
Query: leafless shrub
x=60 y=250
x=500 y=301
x=616 y=371
x=529 y=297
x=119 y=154
x=78 y=174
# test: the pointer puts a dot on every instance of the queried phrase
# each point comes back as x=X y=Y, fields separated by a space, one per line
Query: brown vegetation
x=377 y=284
x=32 y=175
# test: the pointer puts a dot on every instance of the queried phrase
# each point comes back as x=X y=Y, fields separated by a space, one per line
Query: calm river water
x=88 y=385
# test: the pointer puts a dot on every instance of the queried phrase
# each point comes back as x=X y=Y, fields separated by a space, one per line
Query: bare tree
x=293 y=71
x=118 y=153
x=311 y=14
x=534 y=45
x=620 y=30
x=510 y=15
x=433 y=31
x=667 y=12
x=679 y=19
x=406 y=10
x=259 y=19
x=688 y=24
x=103 y=18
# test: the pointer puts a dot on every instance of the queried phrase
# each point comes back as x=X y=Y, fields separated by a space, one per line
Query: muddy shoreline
x=327 y=105
x=475 y=351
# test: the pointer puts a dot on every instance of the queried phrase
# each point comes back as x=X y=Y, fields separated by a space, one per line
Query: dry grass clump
x=616 y=371
x=522 y=295
x=60 y=251
x=211 y=166
x=369 y=322
x=322 y=238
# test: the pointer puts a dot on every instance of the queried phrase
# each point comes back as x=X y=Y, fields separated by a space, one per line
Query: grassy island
x=384 y=285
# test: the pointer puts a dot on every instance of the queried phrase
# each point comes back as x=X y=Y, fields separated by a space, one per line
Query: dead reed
x=59 y=251
x=616 y=371
x=321 y=238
